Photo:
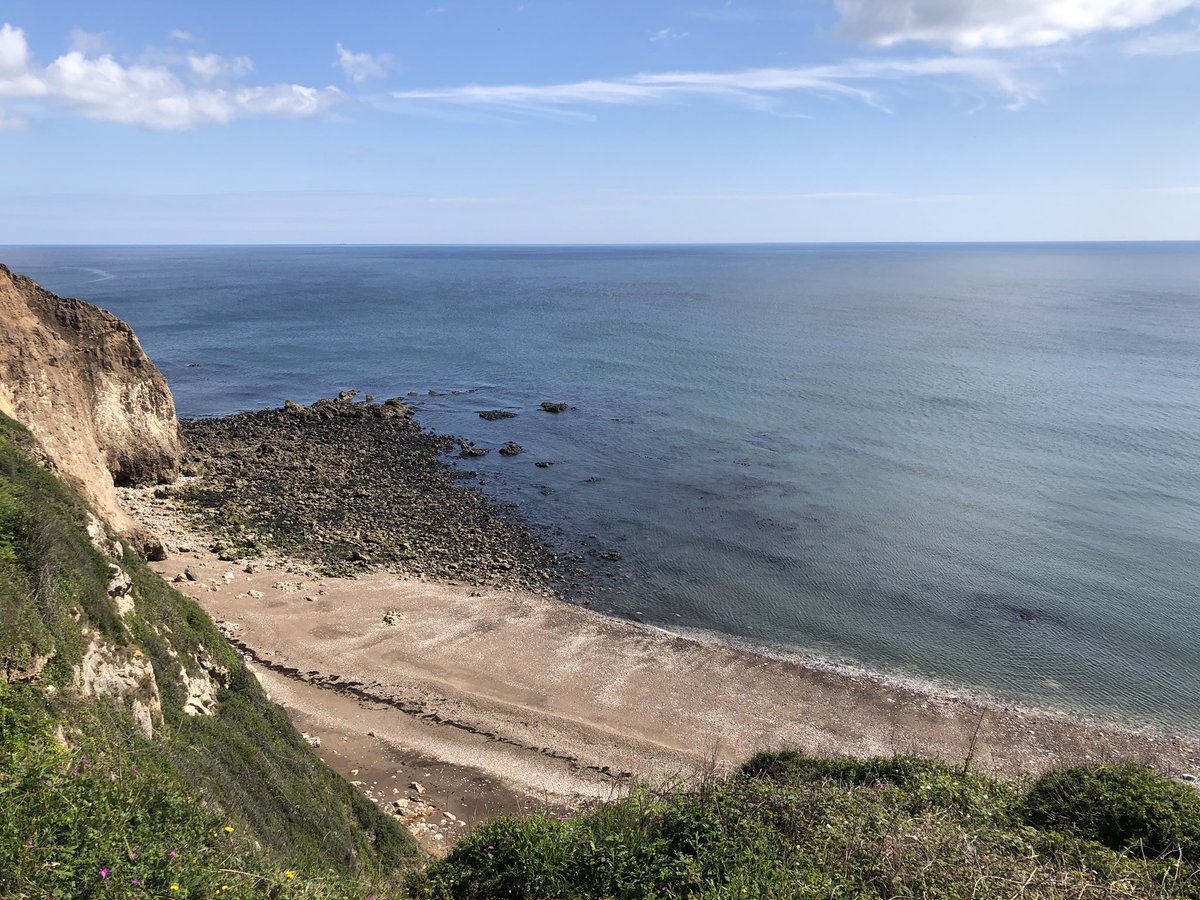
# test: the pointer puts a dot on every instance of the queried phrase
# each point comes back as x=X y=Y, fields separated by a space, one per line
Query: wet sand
x=522 y=702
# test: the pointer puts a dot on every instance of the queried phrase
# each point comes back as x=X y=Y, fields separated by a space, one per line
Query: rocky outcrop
x=76 y=376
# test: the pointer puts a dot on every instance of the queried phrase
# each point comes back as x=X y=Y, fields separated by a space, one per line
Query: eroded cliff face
x=76 y=376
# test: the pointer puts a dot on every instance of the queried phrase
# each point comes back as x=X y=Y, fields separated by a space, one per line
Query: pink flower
x=172 y=854
x=104 y=872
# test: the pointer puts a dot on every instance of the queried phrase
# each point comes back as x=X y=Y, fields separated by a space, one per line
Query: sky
x=495 y=121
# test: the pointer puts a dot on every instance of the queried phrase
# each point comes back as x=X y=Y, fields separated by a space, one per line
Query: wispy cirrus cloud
x=149 y=96
x=978 y=24
x=762 y=88
x=1167 y=43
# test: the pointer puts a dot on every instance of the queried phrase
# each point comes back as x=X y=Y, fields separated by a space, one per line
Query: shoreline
x=536 y=703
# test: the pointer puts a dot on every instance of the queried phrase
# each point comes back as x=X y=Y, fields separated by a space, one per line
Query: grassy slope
x=789 y=825
x=63 y=821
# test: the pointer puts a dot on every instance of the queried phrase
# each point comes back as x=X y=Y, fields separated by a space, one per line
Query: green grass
x=794 y=826
x=245 y=767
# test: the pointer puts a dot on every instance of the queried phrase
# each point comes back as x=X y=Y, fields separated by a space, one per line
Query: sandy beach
x=503 y=701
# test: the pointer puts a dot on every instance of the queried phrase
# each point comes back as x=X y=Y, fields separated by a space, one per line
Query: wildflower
x=229 y=829
x=172 y=854
x=29 y=845
x=289 y=874
x=174 y=887
x=85 y=762
x=133 y=771
x=104 y=872
x=132 y=855
x=134 y=881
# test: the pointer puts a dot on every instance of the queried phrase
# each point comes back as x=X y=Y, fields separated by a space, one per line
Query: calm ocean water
x=976 y=464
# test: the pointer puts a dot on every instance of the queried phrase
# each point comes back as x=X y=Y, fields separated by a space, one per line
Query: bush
x=1125 y=807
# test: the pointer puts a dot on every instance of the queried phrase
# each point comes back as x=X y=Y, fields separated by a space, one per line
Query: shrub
x=1123 y=807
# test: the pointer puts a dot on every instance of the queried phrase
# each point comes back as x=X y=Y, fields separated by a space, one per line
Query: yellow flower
x=174 y=887
x=229 y=829
x=289 y=874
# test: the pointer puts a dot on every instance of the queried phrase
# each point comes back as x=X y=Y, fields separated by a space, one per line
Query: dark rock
x=543 y=463
x=492 y=415
x=512 y=448
x=190 y=574
x=554 y=407
x=346 y=396
x=610 y=555
x=293 y=407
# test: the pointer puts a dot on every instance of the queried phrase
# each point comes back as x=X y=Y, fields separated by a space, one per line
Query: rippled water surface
x=974 y=463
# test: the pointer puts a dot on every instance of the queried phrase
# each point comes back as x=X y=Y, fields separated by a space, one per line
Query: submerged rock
x=493 y=415
x=512 y=448
x=554 y=407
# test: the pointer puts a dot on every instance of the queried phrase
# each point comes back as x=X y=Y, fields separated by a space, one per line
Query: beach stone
x=512 y=448
x=190 y=574
x=417 y=787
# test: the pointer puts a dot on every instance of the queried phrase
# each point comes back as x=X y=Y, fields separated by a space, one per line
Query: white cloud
x=210 y=67
x=88 y=42
x=976 y=24
x=664 y=34
x=178 y=34
x=150 y=96
x=14 y=51
x=1170 y=43
x=358 y=67
x=759 y=88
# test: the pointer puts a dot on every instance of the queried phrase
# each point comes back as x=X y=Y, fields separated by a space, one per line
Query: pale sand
x=525 y=696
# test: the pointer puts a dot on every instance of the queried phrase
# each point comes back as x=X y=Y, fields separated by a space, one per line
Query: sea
x=974 y=466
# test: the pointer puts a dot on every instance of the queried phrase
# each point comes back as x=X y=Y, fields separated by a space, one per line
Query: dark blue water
x=977 y=464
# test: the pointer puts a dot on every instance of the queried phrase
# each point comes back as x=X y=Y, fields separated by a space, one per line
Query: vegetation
x=794 y=826
x=88 y=803
x=236 y=804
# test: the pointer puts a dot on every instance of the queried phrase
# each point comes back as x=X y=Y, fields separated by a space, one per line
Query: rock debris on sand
x=355 y=486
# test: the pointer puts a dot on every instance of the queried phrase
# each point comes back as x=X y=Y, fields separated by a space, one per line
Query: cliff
x=77 y=377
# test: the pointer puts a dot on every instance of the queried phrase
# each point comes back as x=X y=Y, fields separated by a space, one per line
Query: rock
x=190 y=574
x=554 y=407
x=543 y=463
x=417 y=787
x=78 y=379
x=512 y=448
x=493 y=415
x=1188 y=777
x=179 y=579
x=393 y=617
x=612 y=555
x=346 y=396
x=292 y=406
x=254 y=595
x=313 y=740
x=468 y=449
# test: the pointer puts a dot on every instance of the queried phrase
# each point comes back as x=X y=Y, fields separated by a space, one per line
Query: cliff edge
x=77 y=378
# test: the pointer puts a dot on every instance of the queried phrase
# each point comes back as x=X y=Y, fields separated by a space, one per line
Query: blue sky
x=565 y=122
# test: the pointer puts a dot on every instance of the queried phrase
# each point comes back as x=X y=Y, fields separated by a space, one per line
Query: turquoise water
x=978 y=464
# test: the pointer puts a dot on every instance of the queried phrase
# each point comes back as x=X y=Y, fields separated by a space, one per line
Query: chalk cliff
x=77 y=377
